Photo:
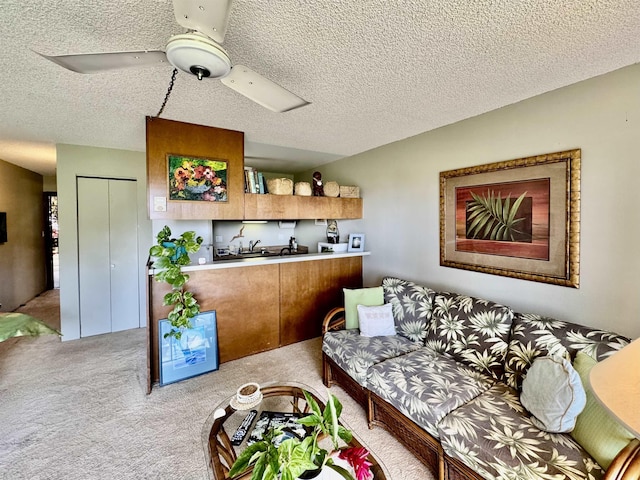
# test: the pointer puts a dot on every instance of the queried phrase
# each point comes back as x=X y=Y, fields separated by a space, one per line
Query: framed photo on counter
x=356 y=242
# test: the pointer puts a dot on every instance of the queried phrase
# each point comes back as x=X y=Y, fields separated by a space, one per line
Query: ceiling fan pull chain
x=166 y=97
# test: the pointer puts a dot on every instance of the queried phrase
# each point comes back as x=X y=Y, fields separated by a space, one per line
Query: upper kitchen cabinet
x=294 y=207
x=194 y=171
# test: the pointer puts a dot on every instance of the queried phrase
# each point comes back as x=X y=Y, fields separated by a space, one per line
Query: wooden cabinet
x=246 y=301
x=295 y=207
x=308 y=290
x=247 y=305
x=261 y=307
x=168 y=137
x=165 y=137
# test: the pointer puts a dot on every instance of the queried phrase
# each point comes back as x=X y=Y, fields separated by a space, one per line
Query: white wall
x=73 y=161
x=400 y=186
x=178 y=227
x=270 y=234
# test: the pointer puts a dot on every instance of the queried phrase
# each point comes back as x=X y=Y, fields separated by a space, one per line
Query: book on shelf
x=261 y=188
x=254 y=181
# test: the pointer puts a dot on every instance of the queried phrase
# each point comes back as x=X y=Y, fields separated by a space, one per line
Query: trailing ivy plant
x=171 y=255
x=491 y=218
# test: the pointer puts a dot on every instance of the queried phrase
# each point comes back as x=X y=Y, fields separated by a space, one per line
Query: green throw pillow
x=369 y=297
x=596 y=429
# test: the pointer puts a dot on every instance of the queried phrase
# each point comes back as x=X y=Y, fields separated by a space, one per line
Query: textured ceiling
x=375 y=71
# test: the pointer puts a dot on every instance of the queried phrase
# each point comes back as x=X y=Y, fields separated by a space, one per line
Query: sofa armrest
x=334 y=320
x=626 y=465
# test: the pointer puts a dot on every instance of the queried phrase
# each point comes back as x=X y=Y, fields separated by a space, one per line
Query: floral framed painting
x=518 y=218
x=197 y=179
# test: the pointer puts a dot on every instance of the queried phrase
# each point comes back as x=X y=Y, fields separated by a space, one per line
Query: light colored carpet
x=78 y=409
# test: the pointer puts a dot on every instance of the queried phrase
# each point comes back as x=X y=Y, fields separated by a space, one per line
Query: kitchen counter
x=268 y=260
x=261 y=303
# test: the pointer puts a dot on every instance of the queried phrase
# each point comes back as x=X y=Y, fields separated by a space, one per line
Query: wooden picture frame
x=518 y=218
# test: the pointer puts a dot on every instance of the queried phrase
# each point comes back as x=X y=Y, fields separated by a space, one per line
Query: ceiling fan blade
x=262 y=90
x=206 y=16
x=102 y=62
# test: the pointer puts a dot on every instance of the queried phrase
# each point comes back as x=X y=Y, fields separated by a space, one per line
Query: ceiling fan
x=198 y=52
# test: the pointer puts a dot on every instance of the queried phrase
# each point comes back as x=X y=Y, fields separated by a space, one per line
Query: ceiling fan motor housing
x=198 y=55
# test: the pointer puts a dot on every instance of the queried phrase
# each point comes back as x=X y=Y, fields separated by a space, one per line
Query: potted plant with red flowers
x=305 y=458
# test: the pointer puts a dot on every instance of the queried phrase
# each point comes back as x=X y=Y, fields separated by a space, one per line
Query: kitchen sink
x=277 y=252
x=255 y=254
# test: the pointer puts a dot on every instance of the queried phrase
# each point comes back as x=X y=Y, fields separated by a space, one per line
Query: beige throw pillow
x=553 y=393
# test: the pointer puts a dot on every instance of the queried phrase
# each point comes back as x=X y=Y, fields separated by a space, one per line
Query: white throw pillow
x=553 y=393
x=376 y=321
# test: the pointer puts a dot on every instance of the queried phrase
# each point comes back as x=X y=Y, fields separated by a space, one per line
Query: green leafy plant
x=491 y=218
x=171 y=255
x=294 y=456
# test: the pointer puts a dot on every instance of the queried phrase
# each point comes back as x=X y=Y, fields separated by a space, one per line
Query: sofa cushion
x=425 y=385
x=552 y=391
x=533 y=336
x=359 y=296
x=493 y=435
x=355 y=353
x=411 y=304
x=473 y=331
x=376 y=321
x=596 y=429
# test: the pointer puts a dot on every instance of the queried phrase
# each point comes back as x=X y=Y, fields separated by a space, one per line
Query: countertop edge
x=252 y=262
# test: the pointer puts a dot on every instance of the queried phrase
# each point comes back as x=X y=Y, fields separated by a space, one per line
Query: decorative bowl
x=248 y=393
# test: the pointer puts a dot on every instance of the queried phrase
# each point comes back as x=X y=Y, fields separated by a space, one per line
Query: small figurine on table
x=333 y=234
x=318 y=189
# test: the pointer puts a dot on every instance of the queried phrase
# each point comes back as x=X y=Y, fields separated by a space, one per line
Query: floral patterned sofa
x=448 y=384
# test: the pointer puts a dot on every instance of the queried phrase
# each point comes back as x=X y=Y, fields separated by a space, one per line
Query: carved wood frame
x=562 y=267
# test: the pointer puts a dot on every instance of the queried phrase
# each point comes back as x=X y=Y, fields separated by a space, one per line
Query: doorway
x=52 y=259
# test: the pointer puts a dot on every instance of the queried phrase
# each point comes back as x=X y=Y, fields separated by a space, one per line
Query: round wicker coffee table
x=223 y=422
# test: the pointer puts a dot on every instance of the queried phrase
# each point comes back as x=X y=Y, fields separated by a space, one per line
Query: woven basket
x=280 y=186
x=349 y=191
x=331 y=189
x=303 y=189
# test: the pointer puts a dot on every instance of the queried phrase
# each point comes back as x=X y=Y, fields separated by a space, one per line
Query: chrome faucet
x=252 y=245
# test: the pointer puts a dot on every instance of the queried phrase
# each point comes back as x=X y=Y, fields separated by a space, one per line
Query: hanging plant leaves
x=489 y=217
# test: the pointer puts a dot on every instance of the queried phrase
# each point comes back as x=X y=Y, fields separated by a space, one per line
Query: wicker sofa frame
x=626 y=466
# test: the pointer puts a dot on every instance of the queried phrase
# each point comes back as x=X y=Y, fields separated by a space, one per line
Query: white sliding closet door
x=107 y=255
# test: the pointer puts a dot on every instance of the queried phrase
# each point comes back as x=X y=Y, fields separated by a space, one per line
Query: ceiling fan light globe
x=189 y=52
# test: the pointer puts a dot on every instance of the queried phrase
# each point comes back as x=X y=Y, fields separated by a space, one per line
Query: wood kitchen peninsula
x=261 y=304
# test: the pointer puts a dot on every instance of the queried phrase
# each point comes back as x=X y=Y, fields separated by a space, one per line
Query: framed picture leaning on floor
x=195 y=353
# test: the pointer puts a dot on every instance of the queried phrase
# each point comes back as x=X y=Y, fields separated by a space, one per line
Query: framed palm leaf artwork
x=518 y=218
